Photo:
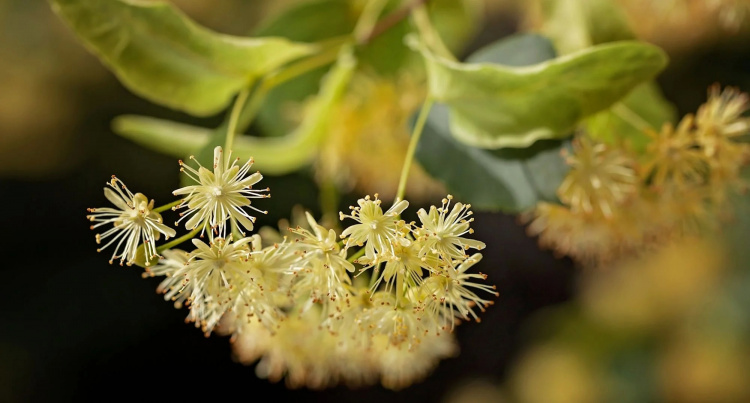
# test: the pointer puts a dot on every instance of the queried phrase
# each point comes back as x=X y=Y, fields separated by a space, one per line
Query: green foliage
x=163 y=56
x=385 y=54
x=510 y=179
x=577 y=24
x=495 y=106
x=273 y=155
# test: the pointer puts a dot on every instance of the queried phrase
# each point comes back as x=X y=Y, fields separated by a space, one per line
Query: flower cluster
x=616 y=201
x=375 y=302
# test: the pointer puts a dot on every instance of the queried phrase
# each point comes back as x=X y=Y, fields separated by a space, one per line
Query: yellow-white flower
x=452 y=292
x=402 y=365
x=221 y=195
x=322 y=267
x=405 y=260
x=601 y=178
x=376 y=230
x=443 y=229
x=134 y=222
x=218 y=279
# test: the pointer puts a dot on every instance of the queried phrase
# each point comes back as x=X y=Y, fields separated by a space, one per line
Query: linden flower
x=401 y=366
x=218 y=280
x=377 y=229
x=406 y=261
x=600 y=178
x=297 y=350
x=442 y=231
x=134 y=221
x=721 y=118
x=402 y=322
x=452 y=292
x=221 y=195
x=172 y=261
x=322 y=267
x=673 y=157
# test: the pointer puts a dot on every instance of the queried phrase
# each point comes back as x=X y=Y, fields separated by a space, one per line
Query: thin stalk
x=391 y=20
x=329 y=199
x=177 y=241
x=166 y=206
x=303 y=66
x=234 y=116
x=631 y=117
x=399 y=289
x=429 y=34
x=415 y=135
x=374 y=274
x=368 y=20
x=356 y=256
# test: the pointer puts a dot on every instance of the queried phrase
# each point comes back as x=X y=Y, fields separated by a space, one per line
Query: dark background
x=73 y=328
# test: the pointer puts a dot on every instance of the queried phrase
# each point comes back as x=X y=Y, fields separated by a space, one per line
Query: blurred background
x=674 y=328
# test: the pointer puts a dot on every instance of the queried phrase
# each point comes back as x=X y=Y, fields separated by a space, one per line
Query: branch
x=390 y=20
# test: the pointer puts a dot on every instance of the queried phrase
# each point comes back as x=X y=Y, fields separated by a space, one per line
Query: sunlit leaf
x=577 y=24
x=495 y=106
x=163 y=56
x=272 y=155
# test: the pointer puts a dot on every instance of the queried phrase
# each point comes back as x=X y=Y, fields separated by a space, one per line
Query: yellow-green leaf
x=163 y=56
x=496 y=106
x=272 y=155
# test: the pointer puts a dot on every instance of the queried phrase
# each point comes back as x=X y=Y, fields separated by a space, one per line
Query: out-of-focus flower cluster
x=668 y=326
x=616 y=201
x=375 y=302
x=368 y=140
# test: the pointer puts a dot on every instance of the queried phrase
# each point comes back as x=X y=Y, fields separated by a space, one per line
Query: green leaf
x=163 y=136
x=163 y=56
x=311 y=21
x=626 y=121
x=510 y=179
x=596 y=22
x=496 y=106
x=272 y=155
x=577 y=24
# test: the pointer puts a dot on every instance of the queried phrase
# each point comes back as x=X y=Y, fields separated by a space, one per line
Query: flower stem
x=391 y=20
x=177 y=241
x=166 y=206
x=297 y=69
x=368 y=20
x=399 y=289
x=329 y=199
x=234 y=117
x=415 y=135
x=357 y=255
x=429 y=34
x=627 y=114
